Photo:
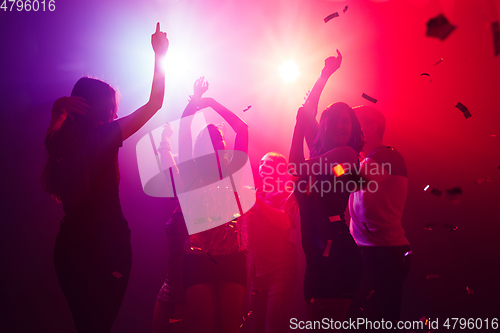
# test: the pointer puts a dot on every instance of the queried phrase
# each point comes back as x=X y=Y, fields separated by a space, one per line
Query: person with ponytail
x=92 y=254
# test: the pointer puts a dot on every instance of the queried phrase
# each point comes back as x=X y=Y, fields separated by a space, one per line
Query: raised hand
x=159 y=41
x=71 y=105
x=331 y=64
x=200 y=87
x=304 y=115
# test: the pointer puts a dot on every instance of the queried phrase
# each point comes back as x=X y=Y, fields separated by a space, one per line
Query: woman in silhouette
x=92 y=254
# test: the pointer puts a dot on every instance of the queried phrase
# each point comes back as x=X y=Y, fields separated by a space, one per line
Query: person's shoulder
x=389 y=156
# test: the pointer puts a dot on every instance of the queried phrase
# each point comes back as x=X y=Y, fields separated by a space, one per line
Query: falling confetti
x=345 y=9
x=371 y=99
x=117 y=274
x=470 y=292
x=439 y=27
x=212 y=259
x=429 y=226
x=482 y=180
x=326 y=253
x=438 y=62
x=495 y=29
x=432 y=276
x=370 y=294
x=248 y=108
x=173 y=321
x=408 y=253
x=464 y=110
x=331 y=16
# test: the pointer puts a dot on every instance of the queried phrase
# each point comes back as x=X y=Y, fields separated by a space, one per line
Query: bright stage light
x=176 y=63
x=289 y=71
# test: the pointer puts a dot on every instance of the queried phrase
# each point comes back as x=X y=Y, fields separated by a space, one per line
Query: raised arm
x=133 y=122
x=304 y=118
x=238 y=125
x=312 y=101
x=64 y=107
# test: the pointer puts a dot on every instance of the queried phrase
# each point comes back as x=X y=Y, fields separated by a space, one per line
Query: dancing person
x=92 y=255
x=214 y=269
x=333 y=263
x=375 y=222
x=272 y=257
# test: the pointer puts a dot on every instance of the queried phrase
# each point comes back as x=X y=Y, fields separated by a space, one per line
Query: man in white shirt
x=376 y=212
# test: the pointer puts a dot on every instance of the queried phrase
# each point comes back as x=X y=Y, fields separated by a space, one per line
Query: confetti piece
x=338 y=170
x=450 y=227
x=195 y=248
x=427 y=187
x=424 y=318
x=371 y=99
x=345 y=9
x=173 y=321
x=482 y=180
x=454 y=191
x=326 y=253
x=439 y=27
x=335 y=218
x=248 y=108
x=212 y=259
x=438 y=62
x=495 y=29
x=436 y=192
x=117 y=274
x=470 y=292
x=255 y=291
x=428 y=75
x=464 y=110
x=429 y=226
x=432 y=276
x=331 y=16
x=408 y=253
x=453 y=194
x=370 y=294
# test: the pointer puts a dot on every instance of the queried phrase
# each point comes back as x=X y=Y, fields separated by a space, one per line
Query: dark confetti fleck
x=429 y=226
x=438 y=62
x=454 y=191
x=427 y=74
x=212 y=259
x=464 y=110
x=371 y=99
x=331 y=16
x=482 y=180
x=248 y=108
x=495 y=29
x=436 y=192
x=345 y=9
x=439 y=27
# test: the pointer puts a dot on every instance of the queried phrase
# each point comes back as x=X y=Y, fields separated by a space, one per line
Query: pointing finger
x=157 y=27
